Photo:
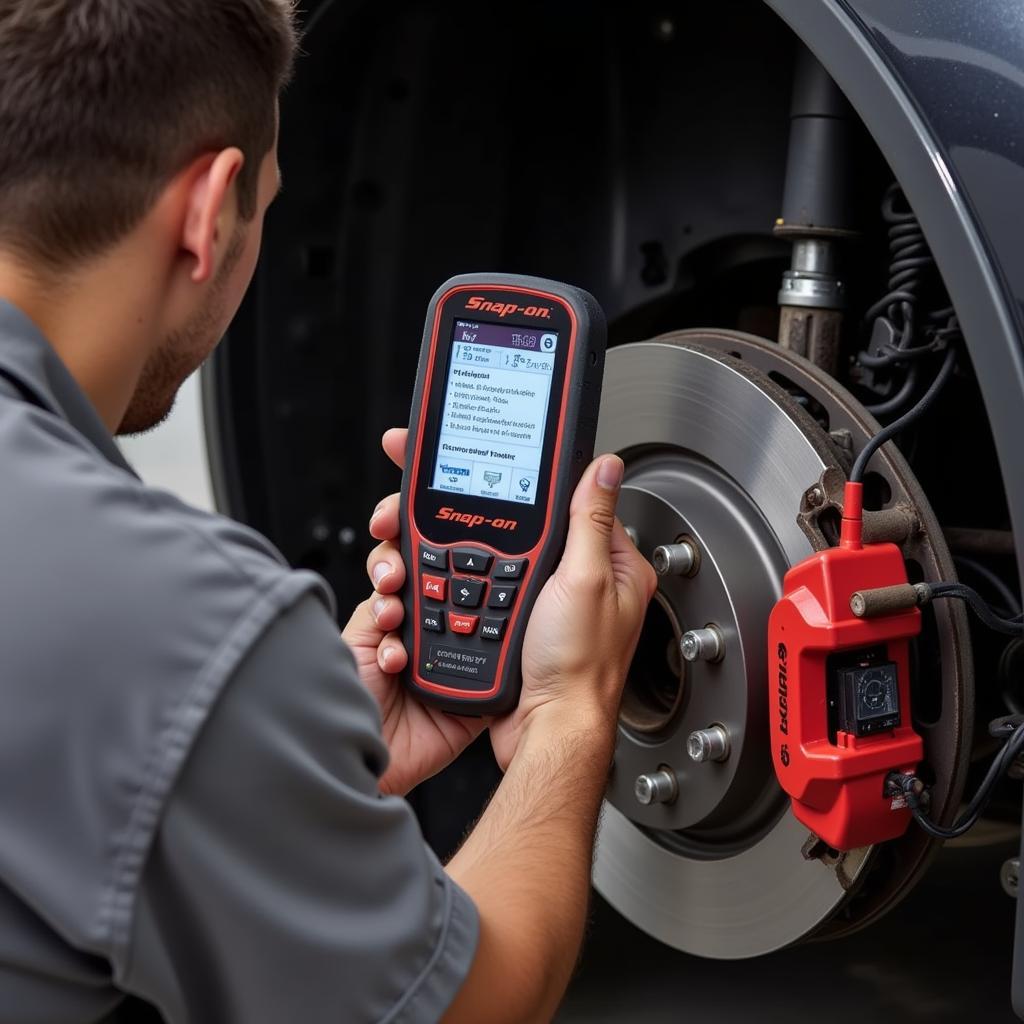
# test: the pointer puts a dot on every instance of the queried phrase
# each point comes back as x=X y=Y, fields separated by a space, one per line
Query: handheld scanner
x=502 y=426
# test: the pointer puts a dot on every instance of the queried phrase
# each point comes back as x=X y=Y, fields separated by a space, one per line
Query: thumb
x=592 y=512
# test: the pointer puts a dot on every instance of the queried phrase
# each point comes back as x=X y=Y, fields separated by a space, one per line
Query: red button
x=465 y=624
x=434 y=587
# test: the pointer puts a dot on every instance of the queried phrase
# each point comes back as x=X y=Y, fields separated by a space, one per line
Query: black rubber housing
x=581 y=384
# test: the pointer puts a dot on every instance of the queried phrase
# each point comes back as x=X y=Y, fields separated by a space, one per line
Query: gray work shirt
x=189 y=805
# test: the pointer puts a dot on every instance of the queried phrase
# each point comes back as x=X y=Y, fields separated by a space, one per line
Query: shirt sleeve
x=281 y=885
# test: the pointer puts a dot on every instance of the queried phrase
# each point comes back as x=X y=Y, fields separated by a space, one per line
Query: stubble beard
x=180 y=354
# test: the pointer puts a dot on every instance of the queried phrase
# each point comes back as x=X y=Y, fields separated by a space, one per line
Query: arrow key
x=467 y=593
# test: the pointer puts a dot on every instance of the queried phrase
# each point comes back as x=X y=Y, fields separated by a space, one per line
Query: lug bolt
x=710 y=744
x=660 y=787
x=674 y=559
x=702 y=644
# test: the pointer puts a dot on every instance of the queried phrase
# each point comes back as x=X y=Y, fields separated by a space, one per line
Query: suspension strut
x=815 y=214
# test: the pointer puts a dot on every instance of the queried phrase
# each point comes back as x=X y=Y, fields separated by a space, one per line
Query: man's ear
x=211 y=209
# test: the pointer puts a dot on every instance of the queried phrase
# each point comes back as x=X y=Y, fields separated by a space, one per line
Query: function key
x=433 y=621
x=471 y=560
x=464 y=624
x=492 y=629
x=434 y=587
x=467 y=593
x=501 y=596
x=434 y=558
x=510 y=569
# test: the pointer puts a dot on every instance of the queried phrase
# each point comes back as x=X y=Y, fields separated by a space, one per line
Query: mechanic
x=201 y=807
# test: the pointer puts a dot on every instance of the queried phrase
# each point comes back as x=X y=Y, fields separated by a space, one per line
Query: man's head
x=133 y=127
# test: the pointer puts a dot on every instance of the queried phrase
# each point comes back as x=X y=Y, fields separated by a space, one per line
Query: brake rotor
x=740 y=448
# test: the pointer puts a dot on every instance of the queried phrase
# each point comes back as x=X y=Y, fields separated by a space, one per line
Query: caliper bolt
x=815 y=497
x=702 y=644
x=674 y=559
x=660 y=787
x=710 y=744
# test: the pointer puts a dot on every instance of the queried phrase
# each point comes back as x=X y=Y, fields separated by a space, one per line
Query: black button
x=471 y=560
x=492 y=629
x=436 y=558
x=433 y=621
x=467 y=592
x=510 y=569
x=501 y=596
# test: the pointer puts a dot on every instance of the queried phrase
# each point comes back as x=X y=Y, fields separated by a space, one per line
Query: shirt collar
x=28 y=359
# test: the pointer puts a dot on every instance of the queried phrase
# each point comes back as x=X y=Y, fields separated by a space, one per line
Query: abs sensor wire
x=923 y=404
x=980 y=607
x=916 y=794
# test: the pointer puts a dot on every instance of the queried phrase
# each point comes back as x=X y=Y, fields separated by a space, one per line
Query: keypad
x=467 y=648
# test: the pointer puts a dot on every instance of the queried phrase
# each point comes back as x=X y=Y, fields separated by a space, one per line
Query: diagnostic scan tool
x=502 y=426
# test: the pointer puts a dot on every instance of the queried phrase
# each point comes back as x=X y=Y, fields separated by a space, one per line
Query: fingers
x=386 y=568
x=592 y=514
x=372 y=619
x=391 y=655
x=384 y=520
x=393 y=442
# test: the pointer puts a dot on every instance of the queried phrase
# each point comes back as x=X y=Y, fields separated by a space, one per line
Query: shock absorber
x=815 y=214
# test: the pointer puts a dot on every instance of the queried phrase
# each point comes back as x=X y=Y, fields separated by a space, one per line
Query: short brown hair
x=102 y=102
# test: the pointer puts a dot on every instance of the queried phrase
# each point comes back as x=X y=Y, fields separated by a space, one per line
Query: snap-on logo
x=478 y=302
x=471 y=520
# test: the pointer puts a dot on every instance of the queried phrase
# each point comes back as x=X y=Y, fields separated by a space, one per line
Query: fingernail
x=377 y=511
x=378 y=607
x=385 y=654
x=609 y=473
x=380 y=570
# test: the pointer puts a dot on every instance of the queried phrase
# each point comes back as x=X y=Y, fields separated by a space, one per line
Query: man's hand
x=527 y=863
x=422 y=740
x=586 y=622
